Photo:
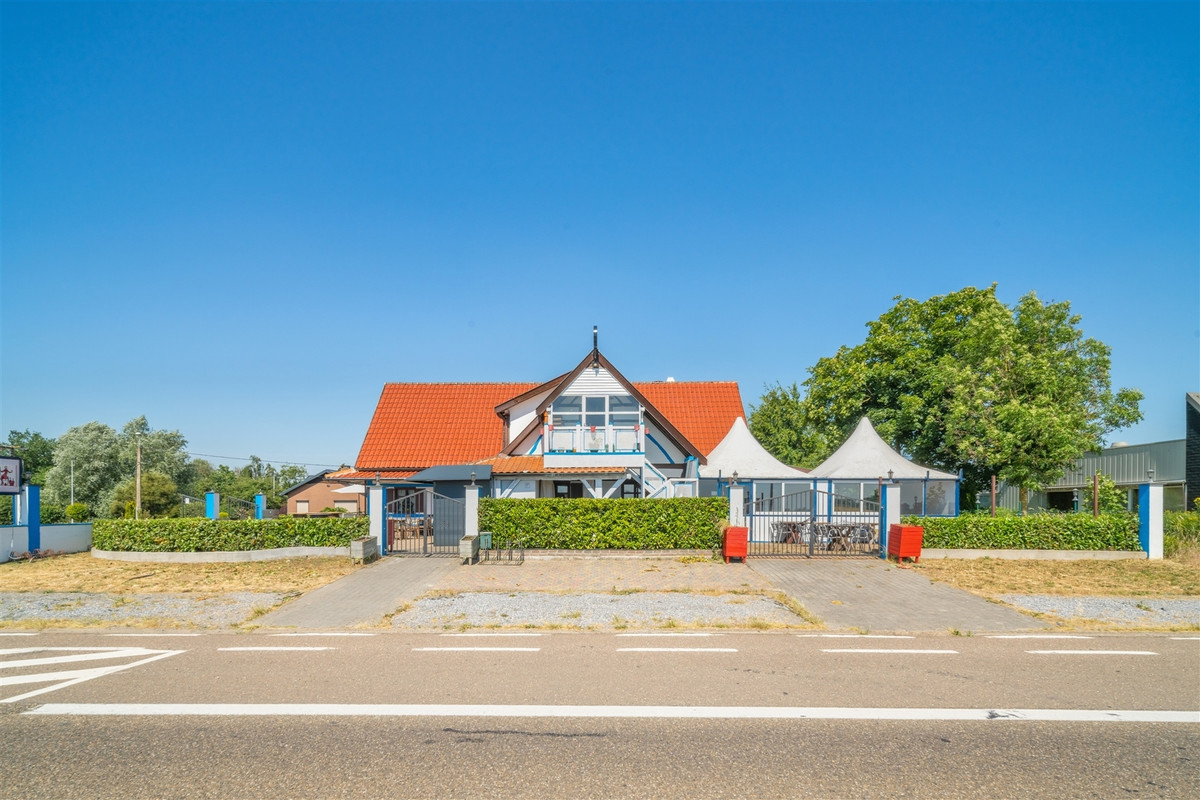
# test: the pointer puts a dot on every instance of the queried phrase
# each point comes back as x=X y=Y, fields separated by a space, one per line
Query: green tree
x=1112 y=498
x=93 y=450
x=962 y=381
x=779 y=423
x=162 y=451
x=160 y=496
x=36 y=453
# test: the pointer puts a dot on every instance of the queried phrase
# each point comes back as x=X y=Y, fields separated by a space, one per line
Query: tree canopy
x=960 y=381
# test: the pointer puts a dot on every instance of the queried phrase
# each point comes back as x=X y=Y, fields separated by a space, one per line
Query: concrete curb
x=236 y=556
x=1035 y=555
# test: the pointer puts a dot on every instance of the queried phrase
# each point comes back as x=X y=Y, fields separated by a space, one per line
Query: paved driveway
x=875 y=595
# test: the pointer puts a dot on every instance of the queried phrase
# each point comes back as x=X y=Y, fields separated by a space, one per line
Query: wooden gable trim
x=507 y=404
x=596 y=357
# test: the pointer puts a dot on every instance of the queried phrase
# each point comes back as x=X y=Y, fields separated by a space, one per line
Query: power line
x=281 y=461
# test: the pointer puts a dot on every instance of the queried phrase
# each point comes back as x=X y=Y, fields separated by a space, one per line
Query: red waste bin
x=904 y=541
x=736 y=543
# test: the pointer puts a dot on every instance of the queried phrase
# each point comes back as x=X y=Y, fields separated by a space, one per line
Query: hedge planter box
x=904 y=541
x=364 y=549
x=736 y=543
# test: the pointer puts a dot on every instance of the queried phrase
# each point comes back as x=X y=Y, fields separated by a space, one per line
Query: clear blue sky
x=242 y=219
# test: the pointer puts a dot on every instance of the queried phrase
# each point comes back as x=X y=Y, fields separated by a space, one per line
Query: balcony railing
x=599 y=439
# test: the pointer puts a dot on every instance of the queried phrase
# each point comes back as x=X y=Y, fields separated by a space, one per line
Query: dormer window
x=611 y=423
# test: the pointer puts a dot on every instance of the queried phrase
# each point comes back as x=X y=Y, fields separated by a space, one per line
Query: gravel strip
x=181 y=609
x=604 y=611
x=1147 y=611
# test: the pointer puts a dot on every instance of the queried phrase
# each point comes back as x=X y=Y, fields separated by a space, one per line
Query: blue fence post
x=212 y=505
x=33 y=515
x=1150 y=519
x=260 y=505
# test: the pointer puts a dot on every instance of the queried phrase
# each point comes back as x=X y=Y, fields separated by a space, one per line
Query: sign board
x=10 y=476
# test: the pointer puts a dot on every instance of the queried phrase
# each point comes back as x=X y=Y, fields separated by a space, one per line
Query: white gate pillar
x=889 y=514
x=376 y=512
x=1150 y=519
x=471 y=511
x=737 y=505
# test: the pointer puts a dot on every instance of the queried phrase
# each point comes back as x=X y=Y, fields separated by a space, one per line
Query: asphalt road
x=599 y=715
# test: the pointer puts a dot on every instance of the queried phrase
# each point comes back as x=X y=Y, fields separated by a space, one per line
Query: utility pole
x=72 y=481
x=137 y=507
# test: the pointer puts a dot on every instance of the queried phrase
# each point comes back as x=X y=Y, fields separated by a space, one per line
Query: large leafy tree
x=160 y=497
x=962 y=381
x=89 y=451
x=35 y=451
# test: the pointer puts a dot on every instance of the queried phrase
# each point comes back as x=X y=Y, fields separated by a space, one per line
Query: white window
x=301 y=506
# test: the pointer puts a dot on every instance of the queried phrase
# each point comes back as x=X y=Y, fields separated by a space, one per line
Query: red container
x=736 y=543
x=904 y=541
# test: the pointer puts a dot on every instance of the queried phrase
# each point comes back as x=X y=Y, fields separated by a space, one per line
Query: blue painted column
x=212 y=505
x=32 y=501
x=1150 y=519
x=260 y=505
x=889 y=514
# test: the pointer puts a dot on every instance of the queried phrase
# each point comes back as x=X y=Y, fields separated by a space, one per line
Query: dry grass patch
x=80 y=572
x=1125 y=578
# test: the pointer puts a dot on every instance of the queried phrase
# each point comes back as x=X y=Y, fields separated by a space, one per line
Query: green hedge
x=1033 y=532
x=690 y=523
x=193 y=535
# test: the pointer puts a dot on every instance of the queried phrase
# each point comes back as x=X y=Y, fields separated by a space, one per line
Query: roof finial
x=595 y=346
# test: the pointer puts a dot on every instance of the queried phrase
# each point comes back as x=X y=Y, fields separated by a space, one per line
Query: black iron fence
x=812 y=523
x=422 y=522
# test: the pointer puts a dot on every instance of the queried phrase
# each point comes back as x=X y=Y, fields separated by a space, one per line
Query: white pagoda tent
x=740 y=452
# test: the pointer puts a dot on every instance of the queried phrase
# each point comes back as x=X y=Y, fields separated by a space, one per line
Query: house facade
x=318 y=492
x=589 y=432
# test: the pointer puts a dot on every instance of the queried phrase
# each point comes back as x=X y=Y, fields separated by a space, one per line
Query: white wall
x=520 y=415
x=74 y=538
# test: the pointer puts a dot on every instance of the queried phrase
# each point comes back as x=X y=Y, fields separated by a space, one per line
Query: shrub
x=191 y=535
x=1035 y=532
x=1181 y=531
x=684 y=523
x=78 y=512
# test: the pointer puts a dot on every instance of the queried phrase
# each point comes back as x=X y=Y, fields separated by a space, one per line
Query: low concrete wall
x=1035 y=555
x=232 y=556
x=65 y=538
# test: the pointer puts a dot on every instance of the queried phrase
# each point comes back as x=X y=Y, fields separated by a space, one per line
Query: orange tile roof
x=419 y=425
x=355 y=475
x=534 y=465
x=703 y=411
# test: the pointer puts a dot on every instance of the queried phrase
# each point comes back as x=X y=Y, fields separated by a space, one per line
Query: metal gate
x=422 y=522
x=813 y=524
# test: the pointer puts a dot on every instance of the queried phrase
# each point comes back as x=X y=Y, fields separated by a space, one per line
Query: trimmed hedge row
x=686 y=523
x=1033 y=532
x=207 y=535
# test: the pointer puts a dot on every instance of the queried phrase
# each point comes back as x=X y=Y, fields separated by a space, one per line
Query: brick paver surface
x=649 y=574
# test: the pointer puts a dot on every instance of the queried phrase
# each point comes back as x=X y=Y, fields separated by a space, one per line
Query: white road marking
x=852 y=636
x=325 y=633
x=1038 y=636
x=270 y=649
x=1186 y=638
x=476 y=649
x=668 y=634
x=1092 y=652
x=72 y=677
x=94 y=655
x=676 y=649
x=155 y=635
x=487 y=634
x=18 y=634
x=598 y=712
x=888 y=650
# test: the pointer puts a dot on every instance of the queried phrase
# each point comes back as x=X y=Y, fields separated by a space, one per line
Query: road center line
x=152 y=635
x=1092 y=652
x=852 y=636
x=1038 y=636
x=487 y=634
x=611 y=712
x=269 y=649
x=888 y=650
x=476 y=649
x=322 y=633
x=676 y=649
x=667 y=634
